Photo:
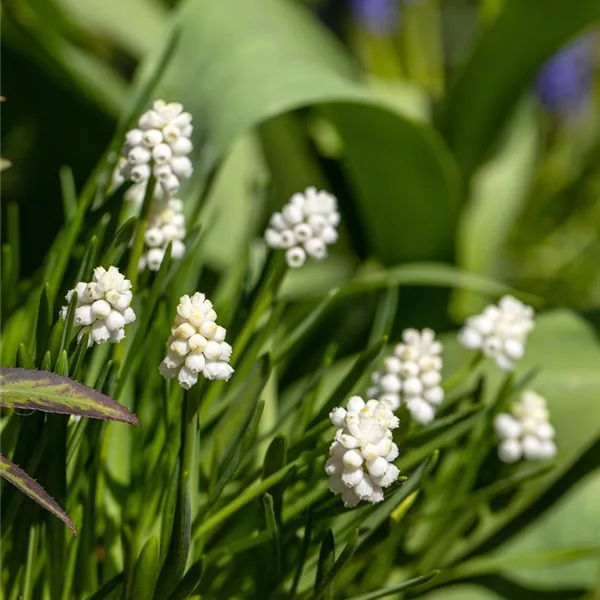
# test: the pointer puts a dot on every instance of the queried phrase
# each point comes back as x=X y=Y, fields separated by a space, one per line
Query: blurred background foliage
x=451 y=130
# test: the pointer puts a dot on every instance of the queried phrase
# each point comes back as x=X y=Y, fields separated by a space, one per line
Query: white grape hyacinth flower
x=360 y=458
x=526 y=432
x=166 y=224
x=159 y=146
x=306 y=225
x=412 y=376
x=197 y=344
x=103 y=306
x=500 y=331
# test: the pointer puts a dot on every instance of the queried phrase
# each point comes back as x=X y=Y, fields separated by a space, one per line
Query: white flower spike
x=159 y=145
x=306 y=225
x=361 y=456
x=166 y=223
x=412 y=376
x=499 y=332
x=197 y=344
x=527 y=432
x=103 y=306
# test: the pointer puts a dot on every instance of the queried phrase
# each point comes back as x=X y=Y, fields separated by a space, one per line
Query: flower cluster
x=362 y=452
x=159 y=146
x=526 y=432
x=306 y=225
x=499 y=331
x=103 y=306
x=166 y=223
x=412 y=376
x=196 y=344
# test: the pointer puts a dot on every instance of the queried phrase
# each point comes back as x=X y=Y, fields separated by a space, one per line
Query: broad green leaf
x=502 y=66
x=492 y=564
x=133 y=24
x=34 y=490
x=404 y=180
x=274 y=58
x=38 y=390
x=498 y=192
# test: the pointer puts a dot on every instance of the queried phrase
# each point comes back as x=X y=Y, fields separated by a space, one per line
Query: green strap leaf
x=339 y=564
x=146 y=571
x=29 y=389
x=325 y=565
x=30 y=487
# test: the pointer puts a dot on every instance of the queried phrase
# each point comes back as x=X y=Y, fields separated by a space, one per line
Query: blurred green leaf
x=405 y=585
x=135 y=25
x=502 y=66
x=38 y=390
x=273 y=58
x=404 y=180
x=498 y=192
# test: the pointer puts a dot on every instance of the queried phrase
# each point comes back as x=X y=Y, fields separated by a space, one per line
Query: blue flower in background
x=565 y=82
x=378 y=16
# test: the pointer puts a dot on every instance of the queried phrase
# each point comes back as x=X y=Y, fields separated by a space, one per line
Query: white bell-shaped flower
x=526 y=432
x=160 y=146
x=103 y=306
x=412 y=376
x=304 y=228
x=500 y=332
x=166 y=224
x=197 y=344
x=360 y=458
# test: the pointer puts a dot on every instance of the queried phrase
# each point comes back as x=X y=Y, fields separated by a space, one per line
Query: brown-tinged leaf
x=33 y=489
x=29 y=389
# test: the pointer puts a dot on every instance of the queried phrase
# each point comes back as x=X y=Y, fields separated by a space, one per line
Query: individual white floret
x=306 y=225
x=527 y=432
x=412 y=376
x=360 y=457
x=159 y=146
x=197 y=344
x=500 y=332
x=103 y=306
x=166 y=224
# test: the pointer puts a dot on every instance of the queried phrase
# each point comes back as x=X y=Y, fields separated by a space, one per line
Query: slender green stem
x=138 y=240
x=28 y=580
x=261 y=299
x=461 y=374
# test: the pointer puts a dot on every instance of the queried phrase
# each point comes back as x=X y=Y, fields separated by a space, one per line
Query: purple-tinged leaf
x=40 y=390
x=33 y=489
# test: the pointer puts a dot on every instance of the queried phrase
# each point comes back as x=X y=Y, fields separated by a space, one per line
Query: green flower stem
x=260 y=300
x=462 y=374
x=180 y=543
x=453 y=523
x=138 y=239
x=137 y=250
